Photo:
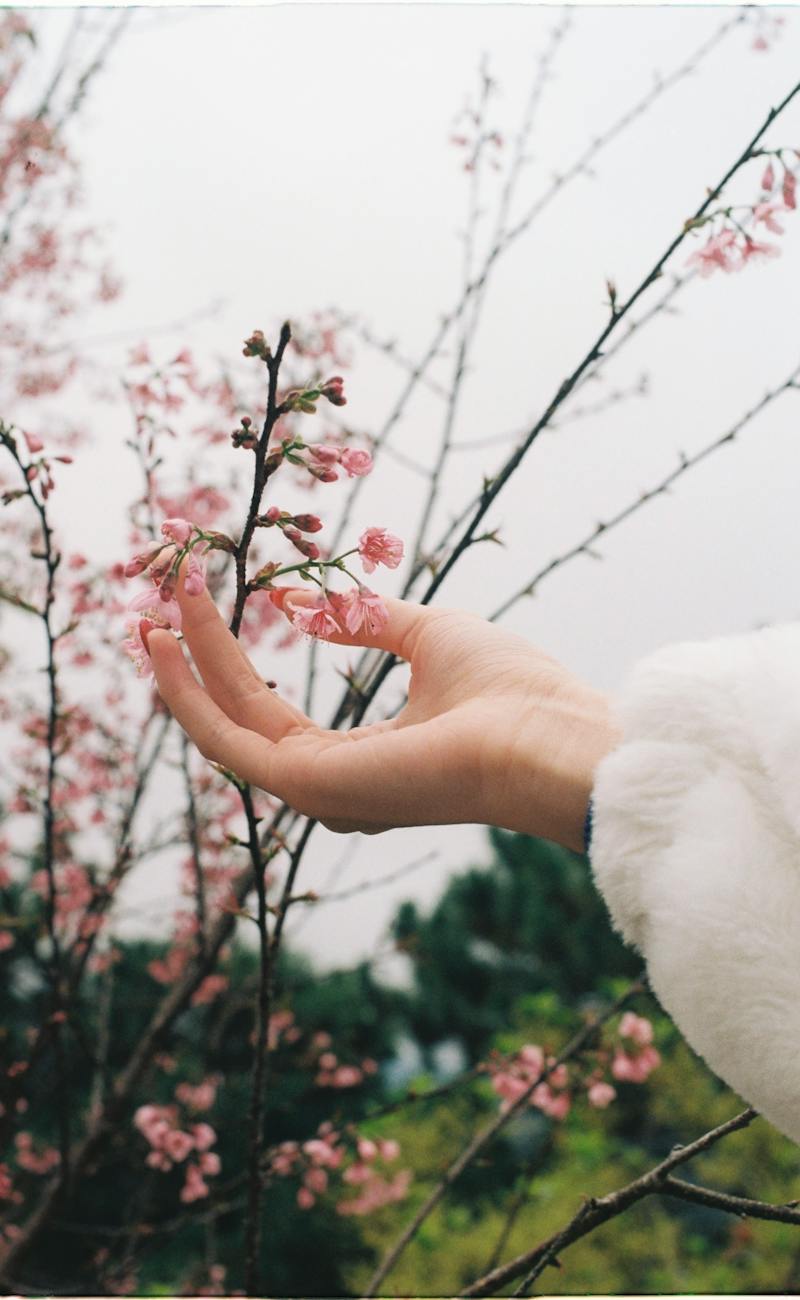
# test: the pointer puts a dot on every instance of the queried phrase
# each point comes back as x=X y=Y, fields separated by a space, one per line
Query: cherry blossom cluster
x=172 y=1145
x=49 y=269
x=730 y=247
x=358 y=1161
x=634 y=1058
x=330 y=612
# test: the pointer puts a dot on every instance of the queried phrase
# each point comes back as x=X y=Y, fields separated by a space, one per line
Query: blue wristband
x=587 y=827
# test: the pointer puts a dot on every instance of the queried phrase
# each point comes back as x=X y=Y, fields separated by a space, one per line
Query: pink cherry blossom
x=203 y=1136
x=637 y=1028
x=532 y=1057
x=768 y=179
x=356 y=462
x=346 y=1076
x=360 y=609
x=315 y=620
x=755 y=248
x=366 y=1148
x=195 y=1187
x=509 y=1086
x=150 y=604
x=635 y=1069
x=316 y=1180
x=718 y=252
x=790 y=189
x=358 y=1172
x=389 y=1149
x=305 y=1198
x=766 y=212
x=201 y=1097
x=178 y=1144
x=377 y=546
x=601 y=1094
x=177 y=530
x=210 y=1163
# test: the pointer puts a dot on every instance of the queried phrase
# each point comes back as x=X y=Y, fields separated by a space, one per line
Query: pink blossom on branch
x=356 y=462
x=177 y=530
x=637 y=1028
x=377 y=546
x=601 y=1094
x=361 y=610
x=315 y=620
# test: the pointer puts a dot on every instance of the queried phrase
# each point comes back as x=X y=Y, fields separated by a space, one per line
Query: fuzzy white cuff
x=696 y=850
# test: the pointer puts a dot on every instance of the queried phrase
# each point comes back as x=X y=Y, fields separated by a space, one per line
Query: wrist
x=547 y=784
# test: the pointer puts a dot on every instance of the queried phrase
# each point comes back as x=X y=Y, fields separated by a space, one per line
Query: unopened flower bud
x=309 y=549
x=332 y=389
x=325 y=474
x=221 y=542
x=256 y=346
x=139 y=563
x=272 y=515
x=246 y=421
x=325 y=454
x=177 y=530
x=308 y=523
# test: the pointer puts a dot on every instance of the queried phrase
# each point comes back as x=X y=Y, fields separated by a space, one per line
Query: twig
x=493 y=487
x=584 y=547
x=598 y=1210
x=193 y=835
x=448 y=319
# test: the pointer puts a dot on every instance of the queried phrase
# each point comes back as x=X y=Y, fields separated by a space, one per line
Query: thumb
x=398 y=634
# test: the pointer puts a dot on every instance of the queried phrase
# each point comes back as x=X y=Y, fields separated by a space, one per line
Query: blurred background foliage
x=513 y=952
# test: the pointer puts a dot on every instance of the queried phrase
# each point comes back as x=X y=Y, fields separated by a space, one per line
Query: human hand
x=494 y=731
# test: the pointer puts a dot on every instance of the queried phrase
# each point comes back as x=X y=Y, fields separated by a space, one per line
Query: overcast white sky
x=293 y=157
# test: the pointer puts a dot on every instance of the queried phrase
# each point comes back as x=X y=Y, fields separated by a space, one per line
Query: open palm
x=478 y=700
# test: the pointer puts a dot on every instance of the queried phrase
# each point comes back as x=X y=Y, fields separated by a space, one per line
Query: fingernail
x=145 y=628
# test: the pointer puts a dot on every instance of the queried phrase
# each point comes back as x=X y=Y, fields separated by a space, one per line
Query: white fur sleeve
x=696 y=849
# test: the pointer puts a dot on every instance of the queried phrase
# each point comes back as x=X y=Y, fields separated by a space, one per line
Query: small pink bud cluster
x=305 y=399
x=256 y=346
x=244 y=436
x=293 y=527
x=322 y=458
x=171 y=1145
